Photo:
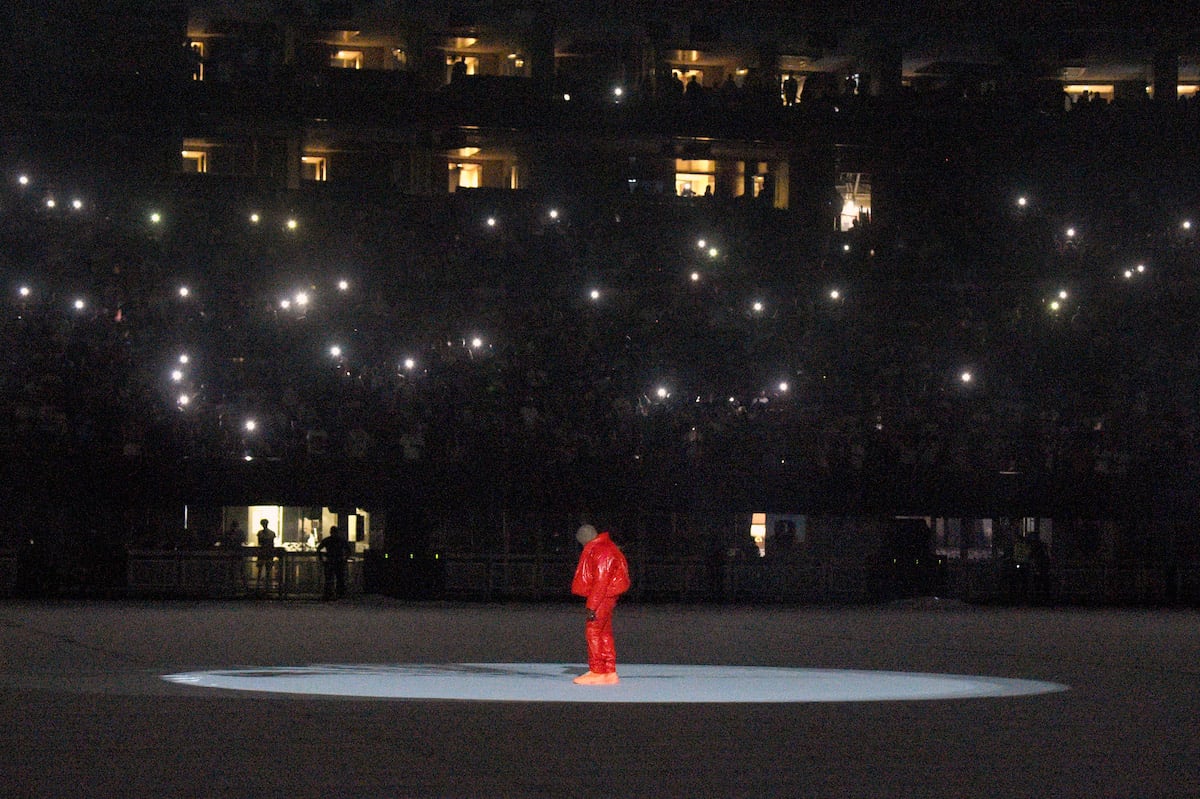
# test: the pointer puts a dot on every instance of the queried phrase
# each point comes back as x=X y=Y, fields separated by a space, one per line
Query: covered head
x=585 y=533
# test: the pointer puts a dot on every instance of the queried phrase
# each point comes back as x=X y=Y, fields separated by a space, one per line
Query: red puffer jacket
x=602 y=573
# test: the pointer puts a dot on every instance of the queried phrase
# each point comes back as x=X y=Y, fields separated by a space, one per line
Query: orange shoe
x=593 y=678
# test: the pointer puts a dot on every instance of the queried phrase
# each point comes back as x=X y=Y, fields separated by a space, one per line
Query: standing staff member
x=333 y=551
x=601 y=576
x=265 y=559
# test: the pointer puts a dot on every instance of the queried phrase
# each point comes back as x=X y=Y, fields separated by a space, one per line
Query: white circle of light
x=662 y=683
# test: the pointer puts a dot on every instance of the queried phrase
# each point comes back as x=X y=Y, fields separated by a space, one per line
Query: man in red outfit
x=601 y=576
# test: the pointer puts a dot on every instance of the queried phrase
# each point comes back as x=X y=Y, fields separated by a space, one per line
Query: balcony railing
x=226 y=575
x=299 y=575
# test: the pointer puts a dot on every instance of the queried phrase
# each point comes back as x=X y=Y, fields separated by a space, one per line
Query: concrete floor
x=86 y=713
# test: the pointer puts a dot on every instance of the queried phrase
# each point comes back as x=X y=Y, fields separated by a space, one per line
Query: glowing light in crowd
x=301 y=298
x=285 y=304
x=476 y=343
x=966 y=377
x=701 y=244
x=713 y=252
x=758 y=306
x=1055 y=305
x=23 y=180
x=1070 y=233
x=50 y=203
x=24 y=291
x=77 y=204
x=1022 y=201
x=250 y=425
x=79 y=304
x=176 y=375
x=491 y=221
x=184 y=399
x=618 y=93
x=594 y=294
x=155 y=217
x=292 y=223
x=1187 y=224
x=184 y=291
x=335 y=351
x=695 y=277
x=834 y=294
x=783 y=386
x=409 y=364
x=845 y=248
x=1141 y=268
x=184 y=359
x=662 y=392
x=567 y=97
x=554 y=213
x=343 y=285
x=255 y=218
x=1062 y=294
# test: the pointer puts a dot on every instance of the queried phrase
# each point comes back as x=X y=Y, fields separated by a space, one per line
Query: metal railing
x=299 y=575
x=215 y=574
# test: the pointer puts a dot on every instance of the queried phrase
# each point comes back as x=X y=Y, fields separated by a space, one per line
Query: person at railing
x=234 y=537
x=266 y=555
x=791 y=88
x=232 y=541
x=334 y=552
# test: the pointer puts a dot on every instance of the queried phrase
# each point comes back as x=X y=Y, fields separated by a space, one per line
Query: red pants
x=602 y=649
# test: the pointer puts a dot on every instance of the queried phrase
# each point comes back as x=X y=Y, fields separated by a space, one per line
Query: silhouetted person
x=266 y=553
x=790 y=89
x=232 y=542
x=333 y=552
x=729 y=90
x=675 y=87
x=234 y=537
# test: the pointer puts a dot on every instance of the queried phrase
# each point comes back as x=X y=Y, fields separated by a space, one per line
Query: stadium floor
x=87 y=712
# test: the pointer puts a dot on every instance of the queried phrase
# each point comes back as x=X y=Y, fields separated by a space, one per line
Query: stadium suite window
x=465 y=176
x=197 y=49
x=346 y=59
x=195 y=162
x=314 y=167
x=470 y=65
x=694 y=177
x=1079 y=91
x=855 y=191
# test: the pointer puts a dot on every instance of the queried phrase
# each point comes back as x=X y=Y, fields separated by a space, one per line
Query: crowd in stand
x=425 y=334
